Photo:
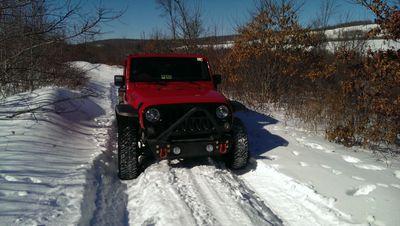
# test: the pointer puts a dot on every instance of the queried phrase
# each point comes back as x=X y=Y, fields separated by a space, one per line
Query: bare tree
x=326 y=11
x=169 y=10
x=190 y=22
x=184 y=19
x=281 y=13
x=33 y=38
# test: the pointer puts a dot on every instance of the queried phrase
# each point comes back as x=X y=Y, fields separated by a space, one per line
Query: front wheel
x=128 y=164
x=238 y=156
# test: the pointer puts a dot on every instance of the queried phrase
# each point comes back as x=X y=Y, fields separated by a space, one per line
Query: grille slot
x=195 y=125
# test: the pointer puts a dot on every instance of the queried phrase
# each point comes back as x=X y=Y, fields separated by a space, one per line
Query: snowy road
x=193 y=194
x=58 y=166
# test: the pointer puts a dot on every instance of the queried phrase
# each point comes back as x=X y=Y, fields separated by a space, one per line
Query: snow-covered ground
x=341 y=32
x=58 y=167
x=333 y=43
x=364 y=45
x=329 y=181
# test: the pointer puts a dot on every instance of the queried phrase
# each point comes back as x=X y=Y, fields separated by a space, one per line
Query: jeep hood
x=145 y=95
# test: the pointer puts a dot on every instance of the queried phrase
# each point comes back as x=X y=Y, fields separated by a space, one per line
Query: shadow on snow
x=261 y=140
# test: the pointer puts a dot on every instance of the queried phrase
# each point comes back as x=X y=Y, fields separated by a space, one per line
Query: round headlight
x=222 y=111
x=152 y=115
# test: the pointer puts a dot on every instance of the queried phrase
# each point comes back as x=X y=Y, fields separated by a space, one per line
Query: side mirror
x=119 y=80
x=217 y=79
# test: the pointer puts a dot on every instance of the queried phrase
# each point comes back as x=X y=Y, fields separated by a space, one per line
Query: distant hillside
x=113 y=51
x=211 y=39
x=140 y=42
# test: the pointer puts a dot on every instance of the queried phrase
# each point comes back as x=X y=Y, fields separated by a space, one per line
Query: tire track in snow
x=196 y=201
x=229 y=198
x=154 y=199
x=210 y=196
x=105 y=201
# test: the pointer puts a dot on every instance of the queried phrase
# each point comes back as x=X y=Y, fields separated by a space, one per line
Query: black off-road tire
x=238 y=155
x=128 y=165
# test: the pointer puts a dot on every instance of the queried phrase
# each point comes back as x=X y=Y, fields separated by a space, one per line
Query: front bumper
x=190 y=148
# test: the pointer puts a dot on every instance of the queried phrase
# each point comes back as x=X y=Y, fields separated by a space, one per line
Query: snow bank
x=45 y=155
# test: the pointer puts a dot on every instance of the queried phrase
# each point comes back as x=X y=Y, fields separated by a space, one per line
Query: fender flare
x=126 y=110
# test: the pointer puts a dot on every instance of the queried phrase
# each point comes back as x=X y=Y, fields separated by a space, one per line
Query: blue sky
x=142 y=17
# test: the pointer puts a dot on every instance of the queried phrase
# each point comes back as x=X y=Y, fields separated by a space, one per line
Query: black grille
x=194 y=125
x=197 y=124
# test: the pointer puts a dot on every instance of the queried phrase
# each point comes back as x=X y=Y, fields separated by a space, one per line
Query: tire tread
x=239 y=154
x=128 y=166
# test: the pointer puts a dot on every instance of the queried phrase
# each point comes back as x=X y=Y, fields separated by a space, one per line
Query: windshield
x=157 y=69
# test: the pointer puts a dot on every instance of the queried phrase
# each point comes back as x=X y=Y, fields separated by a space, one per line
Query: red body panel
x=141 y=95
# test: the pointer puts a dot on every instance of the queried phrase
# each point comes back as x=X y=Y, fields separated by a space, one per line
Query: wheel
x=238 y=156
x=128 y=164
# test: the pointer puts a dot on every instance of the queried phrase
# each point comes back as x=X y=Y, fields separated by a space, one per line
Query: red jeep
x=169 y=109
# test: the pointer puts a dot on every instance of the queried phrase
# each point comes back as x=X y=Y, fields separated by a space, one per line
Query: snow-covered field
x=58 y=167
x=373 y=45
x=340 y=33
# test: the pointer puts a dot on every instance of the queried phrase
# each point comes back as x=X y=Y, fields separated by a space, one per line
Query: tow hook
x=163 y=153
x=223 y=148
